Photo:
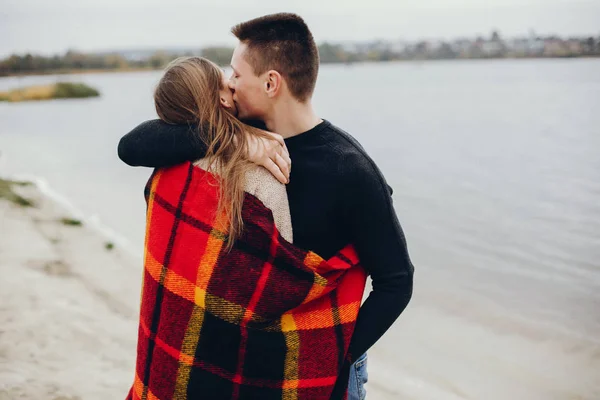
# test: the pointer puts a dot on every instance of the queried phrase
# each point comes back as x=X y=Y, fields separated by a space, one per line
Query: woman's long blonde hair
x=189 y=93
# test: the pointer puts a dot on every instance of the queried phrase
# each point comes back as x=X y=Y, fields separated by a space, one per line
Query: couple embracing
x=254 y=270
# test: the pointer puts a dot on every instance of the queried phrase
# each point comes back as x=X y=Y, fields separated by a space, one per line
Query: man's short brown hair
x=282 y=42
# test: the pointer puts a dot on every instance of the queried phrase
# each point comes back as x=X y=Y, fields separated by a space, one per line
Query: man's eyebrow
x=234 y=70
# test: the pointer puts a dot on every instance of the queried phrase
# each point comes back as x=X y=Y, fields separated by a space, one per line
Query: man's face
x=249 y=90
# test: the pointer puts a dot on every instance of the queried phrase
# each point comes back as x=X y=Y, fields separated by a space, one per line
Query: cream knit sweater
x=261 y=184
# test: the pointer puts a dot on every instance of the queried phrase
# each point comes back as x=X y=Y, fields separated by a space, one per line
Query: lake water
x=495 y=167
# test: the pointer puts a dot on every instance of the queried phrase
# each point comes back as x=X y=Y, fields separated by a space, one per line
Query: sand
x=68 y=307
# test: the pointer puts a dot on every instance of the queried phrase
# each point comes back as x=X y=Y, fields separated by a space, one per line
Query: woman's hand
x=272 y=154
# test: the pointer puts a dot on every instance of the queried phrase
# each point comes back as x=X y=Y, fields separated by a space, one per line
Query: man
x=336 y=193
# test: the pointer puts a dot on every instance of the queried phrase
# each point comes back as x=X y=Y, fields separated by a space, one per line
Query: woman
x=231 y=309
x=187 y=93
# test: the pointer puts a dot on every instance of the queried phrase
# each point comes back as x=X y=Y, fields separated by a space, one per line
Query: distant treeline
x=73 y=61
x=493 y=47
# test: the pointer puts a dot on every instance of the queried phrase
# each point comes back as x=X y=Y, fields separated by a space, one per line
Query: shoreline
x=79 y=72
x=91 y=222
x=416 y=60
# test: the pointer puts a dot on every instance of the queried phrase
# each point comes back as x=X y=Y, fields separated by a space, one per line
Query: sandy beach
x=67 y=306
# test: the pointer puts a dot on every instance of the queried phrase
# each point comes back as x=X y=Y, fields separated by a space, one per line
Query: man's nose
x=231 y=85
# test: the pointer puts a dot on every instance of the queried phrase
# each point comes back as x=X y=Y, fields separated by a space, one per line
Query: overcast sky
x=43 y=26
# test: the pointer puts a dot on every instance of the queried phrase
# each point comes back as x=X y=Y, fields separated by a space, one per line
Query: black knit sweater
x=337 y=195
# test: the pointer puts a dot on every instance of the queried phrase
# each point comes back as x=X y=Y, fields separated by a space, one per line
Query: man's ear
x=273 y=83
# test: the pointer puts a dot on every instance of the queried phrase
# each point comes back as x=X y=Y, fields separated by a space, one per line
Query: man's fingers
x=283 y=166
x=275 y=170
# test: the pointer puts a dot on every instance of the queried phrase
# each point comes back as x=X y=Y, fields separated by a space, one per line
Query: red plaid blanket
x=265 y=321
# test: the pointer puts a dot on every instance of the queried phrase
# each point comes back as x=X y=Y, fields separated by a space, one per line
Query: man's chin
x=242 y=115
x=257 y=123
x=249 y=119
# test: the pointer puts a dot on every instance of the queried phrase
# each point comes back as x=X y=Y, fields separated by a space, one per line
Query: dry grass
x=71 y=222
x=29 y=93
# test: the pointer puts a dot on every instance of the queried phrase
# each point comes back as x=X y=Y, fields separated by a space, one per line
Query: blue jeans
x=358 y=378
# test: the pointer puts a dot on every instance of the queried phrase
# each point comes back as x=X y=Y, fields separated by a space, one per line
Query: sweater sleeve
x=156 y=144
x=382 y=249
x=272 y=193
